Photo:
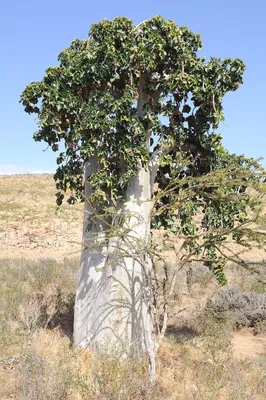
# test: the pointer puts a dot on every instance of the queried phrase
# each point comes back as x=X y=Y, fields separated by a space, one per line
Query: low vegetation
x=197 y=360
x=247 y=309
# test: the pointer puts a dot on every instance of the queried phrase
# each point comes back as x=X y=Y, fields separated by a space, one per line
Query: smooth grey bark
x=113 y=301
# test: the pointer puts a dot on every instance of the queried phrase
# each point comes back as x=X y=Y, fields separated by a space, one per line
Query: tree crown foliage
x=89 y=100
x=90 y=103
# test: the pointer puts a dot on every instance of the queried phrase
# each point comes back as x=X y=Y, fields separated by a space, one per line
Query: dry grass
x=198 y=359
x=52 y=369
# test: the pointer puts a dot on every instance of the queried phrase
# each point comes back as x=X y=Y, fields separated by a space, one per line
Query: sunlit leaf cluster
x=86 y=107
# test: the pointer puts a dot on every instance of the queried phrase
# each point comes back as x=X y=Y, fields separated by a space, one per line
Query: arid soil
x=31 y=229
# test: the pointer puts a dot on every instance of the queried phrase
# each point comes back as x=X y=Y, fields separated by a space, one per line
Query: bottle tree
x=136 y=108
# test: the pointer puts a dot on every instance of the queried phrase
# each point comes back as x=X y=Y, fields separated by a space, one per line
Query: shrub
x=33 y=295
x=248 y=309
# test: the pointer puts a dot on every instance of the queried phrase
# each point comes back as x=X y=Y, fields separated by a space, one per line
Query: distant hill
x=29 y=226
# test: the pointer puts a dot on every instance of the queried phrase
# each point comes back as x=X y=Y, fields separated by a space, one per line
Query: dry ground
x=29 y=226
x=198 y=360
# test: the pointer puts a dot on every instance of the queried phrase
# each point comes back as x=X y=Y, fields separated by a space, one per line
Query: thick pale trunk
x=113 y=303
x=93 y=279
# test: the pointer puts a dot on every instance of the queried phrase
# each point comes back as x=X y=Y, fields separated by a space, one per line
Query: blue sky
x=33 y=33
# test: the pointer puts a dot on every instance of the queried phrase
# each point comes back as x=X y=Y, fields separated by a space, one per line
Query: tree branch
x=153 y=164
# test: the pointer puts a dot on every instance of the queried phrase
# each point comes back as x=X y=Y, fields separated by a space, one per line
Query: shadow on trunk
x=115 y=306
